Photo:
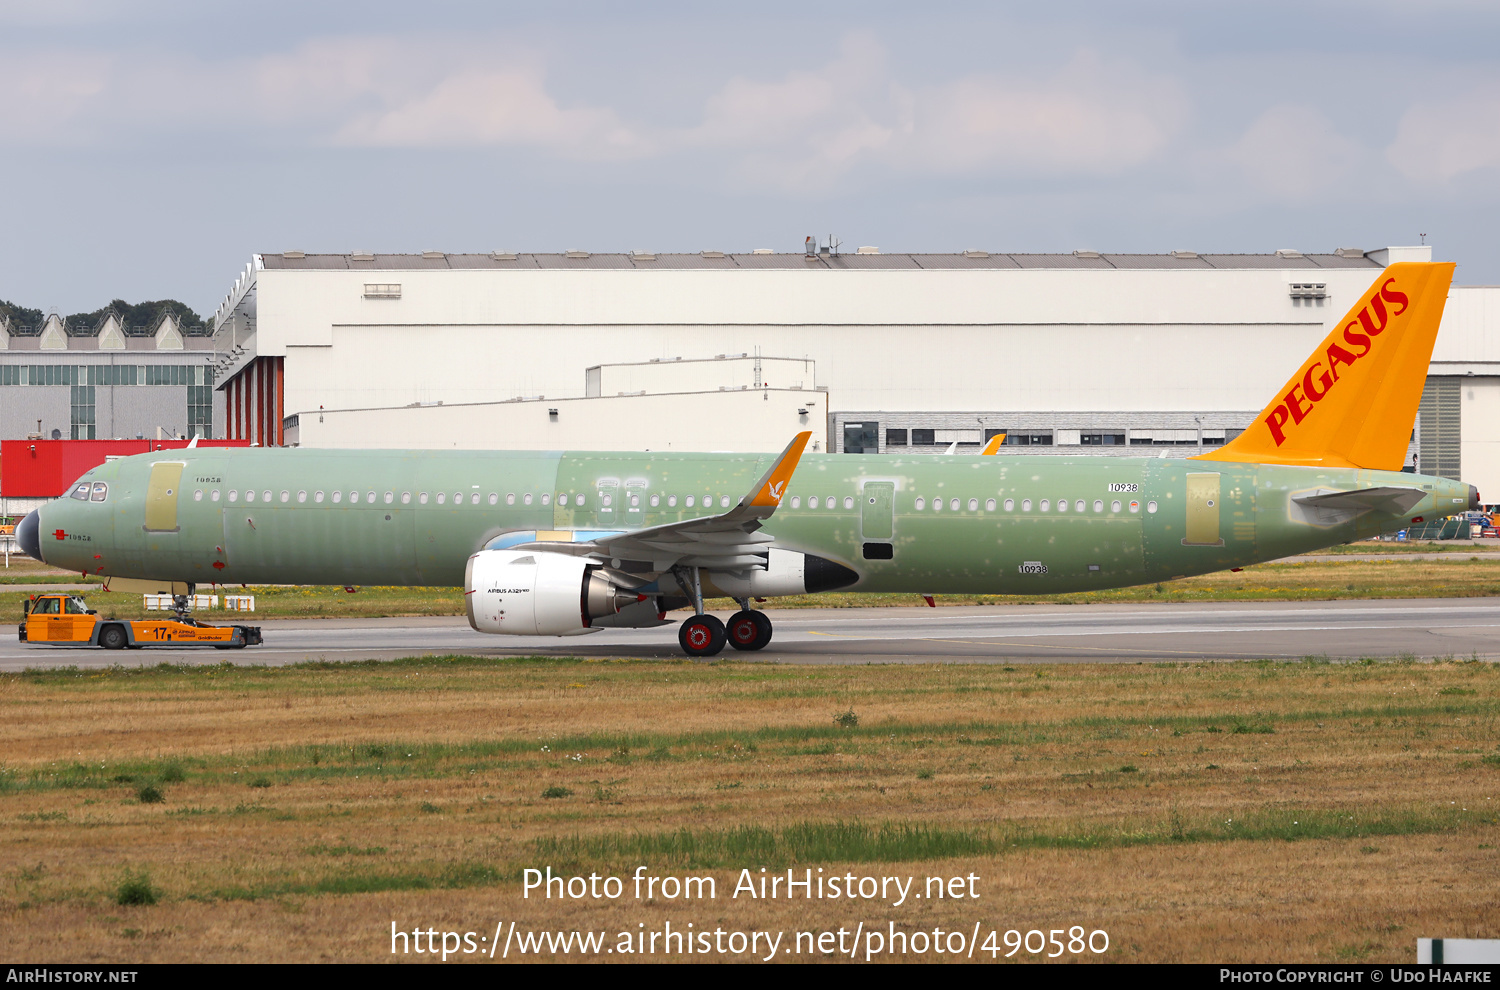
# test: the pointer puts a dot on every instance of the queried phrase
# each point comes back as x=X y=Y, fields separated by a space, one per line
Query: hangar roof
x=716 y=260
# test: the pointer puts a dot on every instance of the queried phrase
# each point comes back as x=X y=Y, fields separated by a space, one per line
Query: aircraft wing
x=1389 y=499
x=725 y=541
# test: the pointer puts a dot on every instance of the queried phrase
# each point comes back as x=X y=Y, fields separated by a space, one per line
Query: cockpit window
x=81 y=492
x=101 y=491
x=75 y=606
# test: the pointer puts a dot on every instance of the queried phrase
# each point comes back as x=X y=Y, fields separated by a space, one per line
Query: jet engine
x=538 y=593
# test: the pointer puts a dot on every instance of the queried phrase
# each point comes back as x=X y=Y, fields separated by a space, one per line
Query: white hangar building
x=1104 y=353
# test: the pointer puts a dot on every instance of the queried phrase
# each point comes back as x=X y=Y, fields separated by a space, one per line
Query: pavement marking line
x=1098 y=649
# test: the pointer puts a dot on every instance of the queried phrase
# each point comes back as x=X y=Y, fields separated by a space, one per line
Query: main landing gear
x=703 y=635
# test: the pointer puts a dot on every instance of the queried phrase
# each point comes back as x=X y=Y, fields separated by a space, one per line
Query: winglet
x=772 y=485
x=993 y=447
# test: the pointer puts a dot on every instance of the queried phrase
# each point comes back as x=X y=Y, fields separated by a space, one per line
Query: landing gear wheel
x=112 y=638
x=748 y=630
x=701 y=636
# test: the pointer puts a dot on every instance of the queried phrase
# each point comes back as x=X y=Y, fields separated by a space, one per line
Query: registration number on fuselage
x=1123 y=487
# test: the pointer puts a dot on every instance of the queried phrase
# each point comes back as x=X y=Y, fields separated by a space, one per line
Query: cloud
x=809 y=129
x=1091 y=117
x=1293 y=152
x=479 y=107
x=1439 y=142
x=803 y=131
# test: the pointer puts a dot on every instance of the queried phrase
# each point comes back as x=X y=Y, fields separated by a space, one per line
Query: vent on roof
x=975 y=253
x=868 y=250
x=294 y=255
x=382 y=290
x=361 y=256
x=1085 y=254
x=1309 y=290
x=1288 y=253
x=576 y=255
x=1185 y=255
x=503 y=255
x=1350 y=252
x=763 y=251
x=713 y=254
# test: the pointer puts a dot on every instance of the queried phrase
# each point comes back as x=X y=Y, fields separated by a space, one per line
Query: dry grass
x=1302 y=811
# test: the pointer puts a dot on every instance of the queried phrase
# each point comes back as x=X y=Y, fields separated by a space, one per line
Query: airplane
x=558 y=543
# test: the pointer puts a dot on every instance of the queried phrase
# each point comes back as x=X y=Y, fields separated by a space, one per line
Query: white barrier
x=165 y=603
x=239 y=603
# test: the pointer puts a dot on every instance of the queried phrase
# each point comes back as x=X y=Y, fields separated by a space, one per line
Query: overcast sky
x=148 y=149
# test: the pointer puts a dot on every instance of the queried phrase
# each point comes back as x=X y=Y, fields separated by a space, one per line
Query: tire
x=112 y=638
x=701 y=636
x=748 y=630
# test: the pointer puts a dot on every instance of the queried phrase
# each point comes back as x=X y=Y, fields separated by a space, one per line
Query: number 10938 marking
x=1123 y=487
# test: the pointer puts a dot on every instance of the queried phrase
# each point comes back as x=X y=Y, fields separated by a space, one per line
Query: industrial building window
x=895 y=438
x=1028 y=440
x=1103 y=439
x=992 y=434
x=1140 y=441
x=861 y=438
x=200 y=410
x=1438 y=417
x=83 y=412
x=923 y=438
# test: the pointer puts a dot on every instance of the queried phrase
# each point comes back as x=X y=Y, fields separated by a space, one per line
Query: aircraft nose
x=28 y=535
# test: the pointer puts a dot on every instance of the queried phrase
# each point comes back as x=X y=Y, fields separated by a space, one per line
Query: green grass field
x=1302 y=811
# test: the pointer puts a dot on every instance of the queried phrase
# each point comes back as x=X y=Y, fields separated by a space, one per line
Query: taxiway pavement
x=1125 y=633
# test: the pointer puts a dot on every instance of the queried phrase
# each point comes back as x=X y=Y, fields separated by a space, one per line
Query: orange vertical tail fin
x=1353 y=401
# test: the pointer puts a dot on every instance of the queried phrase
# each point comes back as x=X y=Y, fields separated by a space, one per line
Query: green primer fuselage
x=397 y=533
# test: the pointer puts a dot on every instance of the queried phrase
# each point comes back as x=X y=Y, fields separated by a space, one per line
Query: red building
x=39 y=469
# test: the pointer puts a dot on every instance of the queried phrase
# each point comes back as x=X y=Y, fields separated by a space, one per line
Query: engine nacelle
x=787 y=572
x=536 y=593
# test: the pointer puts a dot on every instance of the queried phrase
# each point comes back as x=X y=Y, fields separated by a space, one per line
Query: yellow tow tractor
x=68 y=620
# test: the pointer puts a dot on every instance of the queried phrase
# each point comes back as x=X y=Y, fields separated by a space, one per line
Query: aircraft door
x=877 y=510
x=608 y=493
x=1203 y=511
x=161 y=496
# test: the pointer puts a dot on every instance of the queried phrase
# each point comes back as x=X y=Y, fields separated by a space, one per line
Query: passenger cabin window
x=198 y=495
x=442 y=497
x=318 y=497
x=920 y=504
x=234 y=496
x=249 y=495
x=338 y=497
x=265 y=496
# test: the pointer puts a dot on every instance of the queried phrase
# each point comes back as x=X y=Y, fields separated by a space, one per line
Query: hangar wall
x=1155 y=350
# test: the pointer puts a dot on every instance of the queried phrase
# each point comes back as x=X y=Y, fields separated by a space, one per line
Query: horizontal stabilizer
x=1391 y=500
